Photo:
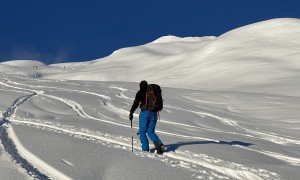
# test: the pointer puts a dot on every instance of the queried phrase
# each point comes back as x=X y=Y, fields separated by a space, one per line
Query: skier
x=147 y=120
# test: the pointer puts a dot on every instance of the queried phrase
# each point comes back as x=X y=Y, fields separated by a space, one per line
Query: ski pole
x=131 y=137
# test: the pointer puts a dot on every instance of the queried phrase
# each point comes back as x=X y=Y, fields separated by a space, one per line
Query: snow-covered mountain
x=260 y=53
x=231 y=110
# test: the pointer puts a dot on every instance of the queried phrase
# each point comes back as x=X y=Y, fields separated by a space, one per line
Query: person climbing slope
x=150 y=101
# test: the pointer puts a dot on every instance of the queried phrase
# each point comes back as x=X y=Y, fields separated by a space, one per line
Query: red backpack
x=154 y=101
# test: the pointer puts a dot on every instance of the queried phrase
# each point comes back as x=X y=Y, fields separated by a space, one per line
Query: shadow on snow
x=173 y=147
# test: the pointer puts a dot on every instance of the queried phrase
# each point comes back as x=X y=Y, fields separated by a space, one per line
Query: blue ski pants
x=147 y=123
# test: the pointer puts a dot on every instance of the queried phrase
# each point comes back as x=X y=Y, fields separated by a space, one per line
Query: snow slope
x=248 y=56
x=231 y=110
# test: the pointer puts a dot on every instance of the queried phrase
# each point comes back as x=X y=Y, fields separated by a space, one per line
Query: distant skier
x=148 y=115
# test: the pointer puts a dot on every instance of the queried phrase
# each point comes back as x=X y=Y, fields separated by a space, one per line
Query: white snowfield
x=231 y=110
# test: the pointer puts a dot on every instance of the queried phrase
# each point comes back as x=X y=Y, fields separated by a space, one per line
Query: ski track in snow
x=178 y=158
x=105 y=99
x=9 y=144
x=79 y=110
x=183 y=159
x=11 y=148
x=16 y=149
x=49 y=172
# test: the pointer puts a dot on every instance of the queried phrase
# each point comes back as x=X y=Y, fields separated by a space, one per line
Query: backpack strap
x=154 y=98
x=146 y=99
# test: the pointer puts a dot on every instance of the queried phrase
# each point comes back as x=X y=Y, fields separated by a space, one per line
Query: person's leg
x=143 y=126
x=151 y=128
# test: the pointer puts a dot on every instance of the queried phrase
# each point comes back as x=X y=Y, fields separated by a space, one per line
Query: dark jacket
x=140 y=98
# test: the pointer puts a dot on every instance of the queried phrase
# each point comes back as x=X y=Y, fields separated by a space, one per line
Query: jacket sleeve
x=136 y=102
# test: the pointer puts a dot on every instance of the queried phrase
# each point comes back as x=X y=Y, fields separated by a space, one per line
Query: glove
x=130 y=117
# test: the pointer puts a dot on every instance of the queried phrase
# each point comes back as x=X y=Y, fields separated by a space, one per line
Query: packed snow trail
x=12 y=150
x=17 y=151
x=11 y=110
x=9 y=145
x=48 y=171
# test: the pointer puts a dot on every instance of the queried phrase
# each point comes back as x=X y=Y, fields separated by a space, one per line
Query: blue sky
x=55 y=31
